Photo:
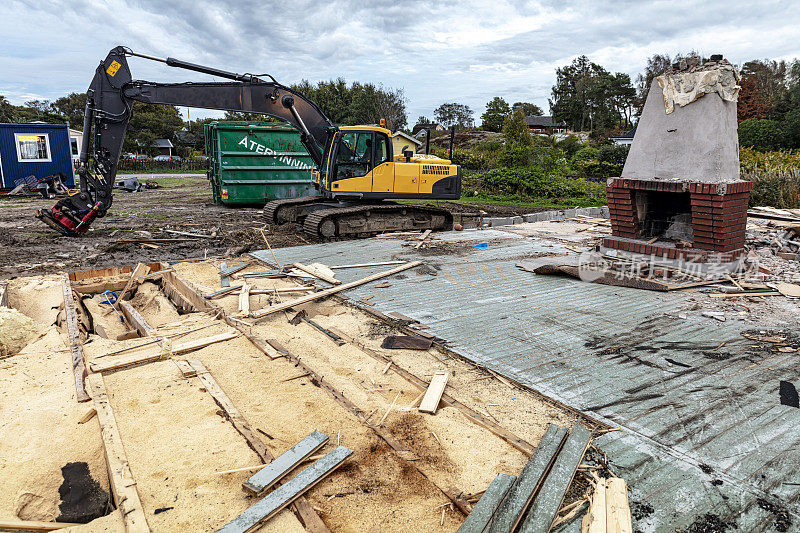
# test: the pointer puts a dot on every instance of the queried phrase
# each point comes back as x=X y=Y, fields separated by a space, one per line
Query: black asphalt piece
x=162 y=509
x=788 y=394
x=677 y=363
x=710 y=523
x=82 y=498
x=406 y=342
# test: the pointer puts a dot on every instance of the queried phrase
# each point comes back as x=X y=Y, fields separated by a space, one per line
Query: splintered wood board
x=123 y=486
x=548 y=501
x=430 y=402
x=519 y=496
x=137 y=276
x=75 y=343
x=618 y=512
x=265 y=478
x=317 y=273
x=333 y=290
x=282 y=496
x=154 y=355
x=33 y=525
x=483 y=511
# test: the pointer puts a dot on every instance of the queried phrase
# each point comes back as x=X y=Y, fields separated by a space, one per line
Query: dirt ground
x=29 y=247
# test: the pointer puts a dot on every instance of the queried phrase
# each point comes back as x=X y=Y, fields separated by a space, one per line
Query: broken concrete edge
x=559 y=214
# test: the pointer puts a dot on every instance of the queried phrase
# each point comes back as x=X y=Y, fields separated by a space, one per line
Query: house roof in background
x=545 y=120
x=163 y=143
x=407 y=136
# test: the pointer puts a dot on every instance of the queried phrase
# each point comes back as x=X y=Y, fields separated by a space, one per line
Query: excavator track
x=286 y=209
x=370 y=219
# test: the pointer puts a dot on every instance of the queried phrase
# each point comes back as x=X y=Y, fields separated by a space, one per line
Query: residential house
x=626 y=139
x=420 y=129
x=164 y=146
x=401 y=139
x=545 y=125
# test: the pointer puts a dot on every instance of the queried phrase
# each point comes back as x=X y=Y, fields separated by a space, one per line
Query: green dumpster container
x=253 y=163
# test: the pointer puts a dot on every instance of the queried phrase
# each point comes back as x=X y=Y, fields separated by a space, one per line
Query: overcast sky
x=463 y=51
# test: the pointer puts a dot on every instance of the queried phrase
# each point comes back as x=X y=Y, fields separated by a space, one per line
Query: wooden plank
x=123 y=486
x=364 y=265
x=519 y=496
x=137 y=276
x=595 y=521
x=430 y=403
x=234 y=269
x=618 y=512
x=283 y=464
x=181 y=293
x=244 y=299
x=551 y=495
x=316 y=273
x=4 y=295
x=155 y=355
x=75 y=342
x=186 y=369
x=224 y=279
x=422 y=238
x=483 y=511
x=333 y=290
x=222 y=292
x=136 y=320
x=33 y=525
x=267 y=507
x=305 y=513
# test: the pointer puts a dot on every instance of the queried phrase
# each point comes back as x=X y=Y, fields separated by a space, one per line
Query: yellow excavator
x=356 y=173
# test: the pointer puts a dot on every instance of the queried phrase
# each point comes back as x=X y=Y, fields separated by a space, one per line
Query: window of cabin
x=381 y=149
x=354 y=157
x=33 y=148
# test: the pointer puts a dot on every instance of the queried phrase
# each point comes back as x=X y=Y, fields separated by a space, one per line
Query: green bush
x=570 y=145
x=775 y=176
x=762 y=135
x=534 y=183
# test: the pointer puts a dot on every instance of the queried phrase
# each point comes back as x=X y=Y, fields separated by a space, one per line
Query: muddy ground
x=184 y=203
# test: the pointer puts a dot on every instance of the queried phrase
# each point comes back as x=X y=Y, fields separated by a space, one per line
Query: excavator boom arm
x=109 y=108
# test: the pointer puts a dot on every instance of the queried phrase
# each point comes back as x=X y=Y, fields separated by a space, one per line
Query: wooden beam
x=224 y=279
x=316 y=273
x=268 y=476
x=333 y=290
x=33 y=525
x=305 y=513
x=222 y=292
x=136 y=320
x=364 y=265
x=483 y=511
x=75 y=342
x=155 y=355
x=618 y=512
x=137 y=276
x=185 y=368
x=544 y=510
x=266 y=508
x=519 y=496
x=430 y=403
x=123 y=486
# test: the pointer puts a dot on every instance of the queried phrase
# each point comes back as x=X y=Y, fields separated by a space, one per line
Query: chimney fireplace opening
x=664 y=215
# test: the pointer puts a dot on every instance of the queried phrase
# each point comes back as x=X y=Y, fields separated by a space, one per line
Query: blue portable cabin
x=34 y=149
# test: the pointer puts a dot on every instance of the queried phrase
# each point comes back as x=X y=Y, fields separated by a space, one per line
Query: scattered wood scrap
x=430 y=402
x=264 y=479
x=333 y=290
x=123 y=486
x=364 y=265
x=302 y=508
x=266 y=508
x=155 y=355
x=244 y=299
x=422 y=238
x=483 y=511
x=76 y=345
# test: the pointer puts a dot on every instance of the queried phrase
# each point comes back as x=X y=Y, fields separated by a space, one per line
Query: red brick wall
x=719 y=211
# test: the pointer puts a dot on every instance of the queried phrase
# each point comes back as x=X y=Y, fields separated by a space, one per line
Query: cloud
x=466 y=51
